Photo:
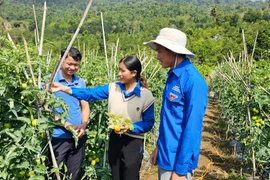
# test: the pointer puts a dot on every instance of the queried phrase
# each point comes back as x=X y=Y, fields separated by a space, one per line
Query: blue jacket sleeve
x=195 y=105
x=91 y=94
x=147 y=121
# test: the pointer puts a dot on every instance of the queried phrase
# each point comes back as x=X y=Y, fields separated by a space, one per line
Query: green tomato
x=34 y=122
x=254 y=118
x=24 y=85
x=38 y=161
x=30 y=173
x=43 y=135
x=7 y=125
x=22 y=173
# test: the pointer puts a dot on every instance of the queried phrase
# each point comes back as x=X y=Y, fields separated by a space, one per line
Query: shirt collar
x=60 y=78
x=179 y=68
x=136 y=90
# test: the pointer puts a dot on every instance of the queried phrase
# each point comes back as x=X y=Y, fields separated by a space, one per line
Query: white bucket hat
x=172 y=39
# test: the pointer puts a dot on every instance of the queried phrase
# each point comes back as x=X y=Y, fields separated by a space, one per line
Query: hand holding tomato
x=121 y=129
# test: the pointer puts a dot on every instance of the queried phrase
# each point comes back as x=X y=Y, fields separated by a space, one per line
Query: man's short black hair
x=73 y=52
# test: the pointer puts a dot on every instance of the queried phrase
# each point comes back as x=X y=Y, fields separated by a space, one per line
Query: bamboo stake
x=155 y=72
x=52 y=155
x=264 y=113
x=255 y=41
x=111 y=63
x=48 y=136
x=156 y=67
x=59 y=62
x=264 y=90
x=42 y=29
x=146 y=63
x=244 y=44
x=35 y=18
x=115 y=57
x=79 y=46
x=144 y=59
x=10 y=39
x=48 y=61
x=41 y=39
x=35 y=35
x=104 y=154
x=29 y=62
x=39 y=75
x=224 y=77
x=248 y=99
x=14 y=47
x=56 y=69
x=231 y=62
x=104 y=42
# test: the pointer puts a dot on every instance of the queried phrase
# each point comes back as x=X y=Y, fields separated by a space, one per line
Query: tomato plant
x=244 y=102
x=24 y=119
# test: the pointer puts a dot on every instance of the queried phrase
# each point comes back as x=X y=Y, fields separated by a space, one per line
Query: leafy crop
x=242 y=90
x=24 y=119
x=117 y=121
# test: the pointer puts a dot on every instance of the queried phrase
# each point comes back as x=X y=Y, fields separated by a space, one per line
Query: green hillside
x=134 y=22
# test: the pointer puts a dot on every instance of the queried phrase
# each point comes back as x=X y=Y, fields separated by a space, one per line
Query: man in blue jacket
x=183 y=108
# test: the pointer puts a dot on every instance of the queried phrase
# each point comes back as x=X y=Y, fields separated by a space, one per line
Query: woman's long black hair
x=133 y=63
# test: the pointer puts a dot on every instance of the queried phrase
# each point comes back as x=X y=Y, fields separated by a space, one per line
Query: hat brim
x=169 y=45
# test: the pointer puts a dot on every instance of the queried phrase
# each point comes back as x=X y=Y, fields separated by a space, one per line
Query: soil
x=217 y=160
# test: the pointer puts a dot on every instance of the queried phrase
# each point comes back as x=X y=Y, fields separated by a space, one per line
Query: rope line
x=205 y=172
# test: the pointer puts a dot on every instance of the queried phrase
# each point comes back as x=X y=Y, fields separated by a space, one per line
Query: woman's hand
x=55 y=87
x=123 y=129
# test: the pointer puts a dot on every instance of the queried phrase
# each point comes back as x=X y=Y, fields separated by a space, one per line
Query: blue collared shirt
x=102 y=92
x=181 y=118
x=74 y=109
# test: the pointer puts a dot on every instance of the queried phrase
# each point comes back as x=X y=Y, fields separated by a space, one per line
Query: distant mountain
x=80 y=4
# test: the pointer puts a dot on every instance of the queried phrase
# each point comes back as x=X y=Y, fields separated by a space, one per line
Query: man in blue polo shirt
x=79 y=112
x=183 y=108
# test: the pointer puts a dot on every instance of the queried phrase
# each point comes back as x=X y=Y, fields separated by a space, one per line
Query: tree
x=214 y=12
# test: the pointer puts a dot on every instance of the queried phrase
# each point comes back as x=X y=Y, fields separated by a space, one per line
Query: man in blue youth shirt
x=62 y=141
x=183 y=108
